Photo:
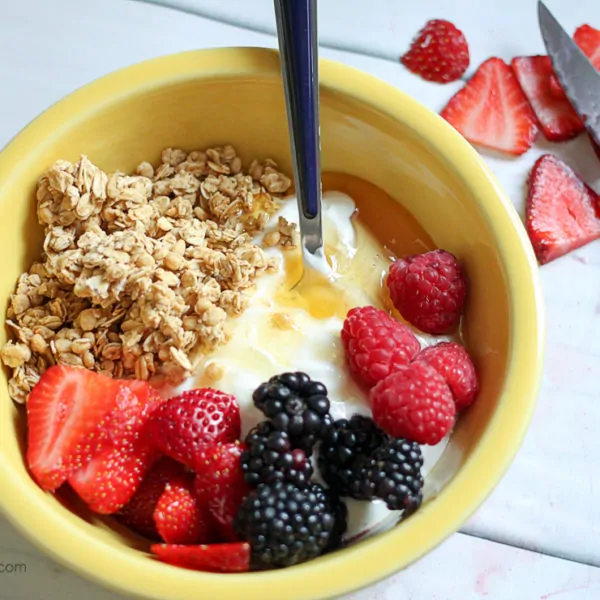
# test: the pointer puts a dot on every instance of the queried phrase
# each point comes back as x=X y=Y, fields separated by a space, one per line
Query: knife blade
x=576 y=74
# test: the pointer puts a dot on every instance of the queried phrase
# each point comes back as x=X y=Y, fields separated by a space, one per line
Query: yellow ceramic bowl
x=370 y=130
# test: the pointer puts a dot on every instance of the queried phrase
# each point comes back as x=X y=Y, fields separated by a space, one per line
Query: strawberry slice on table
x=117 y=468
x=216 y=558
x=220 y=485
x=557 y=118
x=492 y=111
x=64 y=411
x=439 y=52
x=588 y=39
x=561 y=210
x=183 y=425
x=138 y=513
x=178 y=515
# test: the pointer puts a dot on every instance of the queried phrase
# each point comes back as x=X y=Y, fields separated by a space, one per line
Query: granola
x=139 y=273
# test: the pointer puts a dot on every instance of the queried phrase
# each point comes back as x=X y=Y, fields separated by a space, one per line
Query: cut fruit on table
x=438 y=53
x=558 y=120
x=492 y=110
x=562 y=212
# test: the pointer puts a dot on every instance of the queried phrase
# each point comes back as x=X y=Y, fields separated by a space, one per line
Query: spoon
x=298 y=48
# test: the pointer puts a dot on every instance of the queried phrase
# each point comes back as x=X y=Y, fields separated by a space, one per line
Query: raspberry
x=429 y=290
x=453 y=363
x=376 y=344
x=414 y=403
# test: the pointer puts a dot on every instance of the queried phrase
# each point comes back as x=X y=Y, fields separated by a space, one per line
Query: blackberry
x=345 y=449
x=394 y=475
x=339 y=510
x=296 y=404
x=269 y=457
x=359 y=460
x=284 y=524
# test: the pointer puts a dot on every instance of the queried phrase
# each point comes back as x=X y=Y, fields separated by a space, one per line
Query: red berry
x=178 y=515
x=429 y=290
x=376 y=344
x=454 y=364
x=557 y=118
x=439 y=52
x=183 y=425
x=123 y=456
x=138 y=513
x=220 y=485
x=492 y=110
x=216 y=558
x=561 y=212
x=64 y=413
x=414 y=403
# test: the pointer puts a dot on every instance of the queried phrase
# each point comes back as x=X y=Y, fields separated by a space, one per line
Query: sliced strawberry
x=561 y=210
x=116 y=470
x=557 y=118
x=439 y=52
x=182 y=426
x=588 y=39
x=216 y=558
x=64 y=411
x=178 y=516
x=492 y=111
x=138 y=513
x=220 y=485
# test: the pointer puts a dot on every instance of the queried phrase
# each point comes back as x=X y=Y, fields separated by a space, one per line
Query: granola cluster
x=140 y=272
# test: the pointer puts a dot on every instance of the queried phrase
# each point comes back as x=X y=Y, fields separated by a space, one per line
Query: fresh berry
x=270 y=457
x=284 y=524
x=347 y=447
x=124 y=456
x=220 y=485
x=138 y=513
x=376 y=344
x=296 y=404
x=439 y=52
x=214 y=558
x=454 y=364
x=429 y=290
x=414 y=403
x=588 y=39
x=561 y=210
x=393 y=474
x=178 y=516
x=556 y=116
x=492 y=111
x=186 y=423
x=64 y=412
x=361 y=461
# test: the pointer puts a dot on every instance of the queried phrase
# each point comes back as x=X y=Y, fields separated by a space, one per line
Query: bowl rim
x=373 y=559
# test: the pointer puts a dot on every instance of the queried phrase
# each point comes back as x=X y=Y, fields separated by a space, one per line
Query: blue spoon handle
x=298 y=45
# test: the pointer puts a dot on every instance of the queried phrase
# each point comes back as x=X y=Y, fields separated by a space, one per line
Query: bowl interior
x=198 y=100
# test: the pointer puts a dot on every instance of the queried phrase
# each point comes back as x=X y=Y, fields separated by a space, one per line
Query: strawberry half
x=588 y=39
x=492 y=111
x=111 y=477
x=220 y=485
x=178 y=516
x=439 y=52
x=64 y=411
x=561 y=210
x=138 y=513
x=183 y=425
x=216 y=558
x=557 y=118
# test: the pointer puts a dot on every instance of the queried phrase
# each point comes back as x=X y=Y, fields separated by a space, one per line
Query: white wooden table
x=538 y=535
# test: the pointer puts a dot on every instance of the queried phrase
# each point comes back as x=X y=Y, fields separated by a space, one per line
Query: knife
x=578 y=77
